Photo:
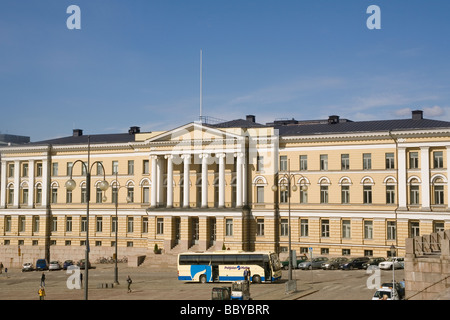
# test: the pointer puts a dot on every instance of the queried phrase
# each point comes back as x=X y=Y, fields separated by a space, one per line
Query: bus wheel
x=202 y=278
x=256 y=279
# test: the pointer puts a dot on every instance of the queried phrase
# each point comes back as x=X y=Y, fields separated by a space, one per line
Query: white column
x=204 y=158
x=154 y=181
x=402 y=190
x=169 y=181
x=45 y=182
x=31 y=165
x=16 y=183
x=3 y=173
x=160 y=181
x=239 y=158
x=221 y=180
x=425 y=177
x=448 y=176
x=186 y=184
x=244 y=179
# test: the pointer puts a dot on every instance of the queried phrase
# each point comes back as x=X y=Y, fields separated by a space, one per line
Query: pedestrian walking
x=41 y=293
x=43 y=280
x=129 y=281
x=1 y=267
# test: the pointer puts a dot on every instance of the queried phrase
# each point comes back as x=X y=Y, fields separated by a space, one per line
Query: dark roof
x=94 y=139
x=239 y=123
x=361 y=126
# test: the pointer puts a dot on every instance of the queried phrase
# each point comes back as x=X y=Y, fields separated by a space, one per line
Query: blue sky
x=136 y=63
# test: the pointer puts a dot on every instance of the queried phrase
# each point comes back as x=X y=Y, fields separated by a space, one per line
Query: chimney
x=417 y=115
x=333 y=119
x=250 y=118
x=77 y=132
x=134 y=130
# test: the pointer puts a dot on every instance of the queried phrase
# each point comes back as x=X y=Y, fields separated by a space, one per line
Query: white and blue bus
x=226 y=266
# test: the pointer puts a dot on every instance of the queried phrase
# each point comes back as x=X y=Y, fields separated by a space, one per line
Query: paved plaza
x=150 y=283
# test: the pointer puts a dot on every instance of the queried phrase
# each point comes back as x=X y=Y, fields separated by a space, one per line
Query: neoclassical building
x=342 y=187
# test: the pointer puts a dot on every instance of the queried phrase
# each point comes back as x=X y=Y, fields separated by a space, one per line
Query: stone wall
x=427 y=266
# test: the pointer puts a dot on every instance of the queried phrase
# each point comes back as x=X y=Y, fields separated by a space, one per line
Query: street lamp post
x=289 y=187
x=71 y=185
x=392 y=249
x=116 y=202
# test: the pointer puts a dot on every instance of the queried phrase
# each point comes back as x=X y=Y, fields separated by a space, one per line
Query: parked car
x=385 y=294
x=27 y=266
x=334 y=263
x=397 y=262
x=285 y=263
x=41 y=264
x=373 y=262
x=54 y=265
x=316 y=263
x=355 y=263
x=67 y=263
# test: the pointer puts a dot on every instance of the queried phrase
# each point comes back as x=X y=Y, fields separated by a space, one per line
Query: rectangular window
x=323 y=194
x=346 y=231
x=367 y=161
x=24 y=196
x=160 y=226
x=69 y=168
x=284 y=227
x=145 y=167
x=260 y=227
x=229 y=227
x=145 y=194
x=25 y=170
x=414 y=229
x=83 y=195
x=368 y=229
x=304 y=228
x=284 y=196
x=259 y=163
x=113 y=224
x=323 y=162
x=130 y=194
x=54 y=227
x=68 y=196
x=55 y=169
x=391 y=230
x=367 y=194
x=130 y=167
x=438 y=195
x=54 y=197
x=303 y=194
x=8 y=222
x=413 y=160
x=345 y=162
x=260 y=194
x=99 y=224
x=83 y=224
x=130 y=224
x=145 y=225
x=438 y=159
x=36 y=221
x=69 y=224
x=414 y=195
x=115 y=167
x=98 y=195
x=325 y=228
x=11 y=170
x=303 y=163
x=100 y=168
x=21 y=224
x=283 y=163
x=390 y=161
x=390 y=194
x=345 y=194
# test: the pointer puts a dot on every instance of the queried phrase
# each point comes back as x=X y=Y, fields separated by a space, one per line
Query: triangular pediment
x=193 y=132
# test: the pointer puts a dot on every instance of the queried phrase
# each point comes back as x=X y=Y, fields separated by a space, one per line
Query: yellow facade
x=357 y=192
